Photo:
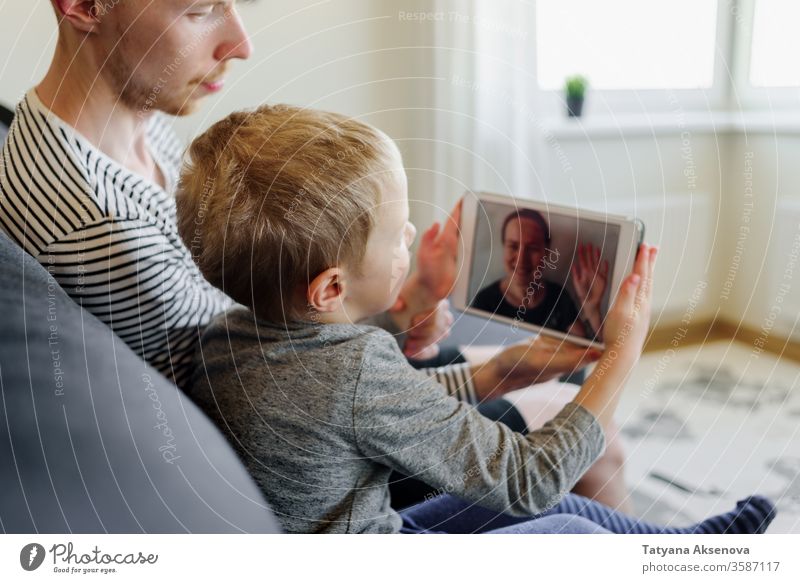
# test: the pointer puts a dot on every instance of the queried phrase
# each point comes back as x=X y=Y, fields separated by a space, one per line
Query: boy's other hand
x=626 y=328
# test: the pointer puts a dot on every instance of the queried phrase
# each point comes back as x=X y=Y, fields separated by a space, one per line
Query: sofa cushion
x=94 y=440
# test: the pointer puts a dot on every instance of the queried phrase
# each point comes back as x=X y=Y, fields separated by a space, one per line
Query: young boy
x=303 y=217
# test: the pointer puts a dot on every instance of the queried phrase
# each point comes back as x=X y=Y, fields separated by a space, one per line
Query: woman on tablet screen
x=526 y=294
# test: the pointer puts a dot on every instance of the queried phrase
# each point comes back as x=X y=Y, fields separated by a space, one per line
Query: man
x=88 y=174
x=526 y=293
x=89 y=167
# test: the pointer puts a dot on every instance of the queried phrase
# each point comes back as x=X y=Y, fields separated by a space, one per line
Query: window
x=775 y=44
x=628 y=44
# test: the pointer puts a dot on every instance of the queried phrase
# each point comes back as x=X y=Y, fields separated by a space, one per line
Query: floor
x=707 y=425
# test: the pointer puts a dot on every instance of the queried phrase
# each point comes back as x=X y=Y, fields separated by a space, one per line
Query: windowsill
x=603 y=126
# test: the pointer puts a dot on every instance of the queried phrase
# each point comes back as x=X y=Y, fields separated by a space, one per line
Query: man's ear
x=81 y=14
x=326 y=291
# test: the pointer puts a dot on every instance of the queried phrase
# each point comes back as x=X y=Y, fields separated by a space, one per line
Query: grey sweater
x=321 y=414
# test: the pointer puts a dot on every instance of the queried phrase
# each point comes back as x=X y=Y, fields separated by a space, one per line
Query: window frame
x=744 y=96
x=606 y=101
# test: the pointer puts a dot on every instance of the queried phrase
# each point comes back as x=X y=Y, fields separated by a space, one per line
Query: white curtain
x=488 y=132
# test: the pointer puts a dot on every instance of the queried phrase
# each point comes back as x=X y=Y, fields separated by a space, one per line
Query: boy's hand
x=628 y=319
x=427 y=330
x=626 y=328
x=419 y=309
x=437 y=255
x=436 y=270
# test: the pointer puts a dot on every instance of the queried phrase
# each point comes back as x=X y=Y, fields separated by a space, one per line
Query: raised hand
x=590 y=280
x=419 y=309
x=437 y=254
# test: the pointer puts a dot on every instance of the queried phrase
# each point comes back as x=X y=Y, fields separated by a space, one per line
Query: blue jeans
x=450 y=515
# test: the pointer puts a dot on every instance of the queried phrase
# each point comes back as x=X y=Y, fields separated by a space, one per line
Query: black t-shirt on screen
x=557 y=311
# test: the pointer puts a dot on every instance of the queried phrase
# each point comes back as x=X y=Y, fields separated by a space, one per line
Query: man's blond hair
x=271 y=198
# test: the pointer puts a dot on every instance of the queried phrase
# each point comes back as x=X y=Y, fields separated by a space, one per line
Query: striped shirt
x=108 y=236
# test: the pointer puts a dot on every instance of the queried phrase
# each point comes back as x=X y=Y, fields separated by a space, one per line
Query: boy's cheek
x=399 y=273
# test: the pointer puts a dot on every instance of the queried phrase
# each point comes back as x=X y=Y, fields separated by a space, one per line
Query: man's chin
x=187 y=108
x=180 y=109
x=522 y=281
x=526 y=285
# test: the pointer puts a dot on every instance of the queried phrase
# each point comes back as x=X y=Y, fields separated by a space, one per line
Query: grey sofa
x=92 y=439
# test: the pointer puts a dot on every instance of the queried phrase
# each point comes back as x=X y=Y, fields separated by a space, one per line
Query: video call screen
x=542 y=268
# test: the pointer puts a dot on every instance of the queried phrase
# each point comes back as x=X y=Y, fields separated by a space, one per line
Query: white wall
x=762 y=213
x=26 y=46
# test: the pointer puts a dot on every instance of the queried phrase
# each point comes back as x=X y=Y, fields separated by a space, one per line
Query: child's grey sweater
x=321 y=414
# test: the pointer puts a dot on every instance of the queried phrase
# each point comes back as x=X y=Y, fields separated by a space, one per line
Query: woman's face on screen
x=524 y=249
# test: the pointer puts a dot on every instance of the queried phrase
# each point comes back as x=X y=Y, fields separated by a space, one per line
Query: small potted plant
x=575 y=89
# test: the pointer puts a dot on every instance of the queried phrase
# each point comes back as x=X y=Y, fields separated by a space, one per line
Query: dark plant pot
x=574 y=106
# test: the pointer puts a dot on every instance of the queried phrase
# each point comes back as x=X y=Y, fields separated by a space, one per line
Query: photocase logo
x=31 y=556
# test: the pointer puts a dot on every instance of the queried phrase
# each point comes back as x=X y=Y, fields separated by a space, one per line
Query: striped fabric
x=108 y=237
x=457 y=379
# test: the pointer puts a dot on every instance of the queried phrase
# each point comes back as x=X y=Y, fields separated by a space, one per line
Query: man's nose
x=236 y=43
x=523 y=261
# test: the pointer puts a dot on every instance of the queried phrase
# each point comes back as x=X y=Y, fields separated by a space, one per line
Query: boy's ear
x=81 y=14
x=326 y=291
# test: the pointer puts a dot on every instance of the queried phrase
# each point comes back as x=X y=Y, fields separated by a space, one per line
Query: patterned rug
x=705 y=426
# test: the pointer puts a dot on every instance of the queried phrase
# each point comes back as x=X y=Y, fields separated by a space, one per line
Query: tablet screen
x=542 y=268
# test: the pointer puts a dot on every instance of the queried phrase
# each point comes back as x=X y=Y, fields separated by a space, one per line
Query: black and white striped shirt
x=108 y=236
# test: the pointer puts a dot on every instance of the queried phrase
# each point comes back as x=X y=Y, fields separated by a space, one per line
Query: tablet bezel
x=630 y=236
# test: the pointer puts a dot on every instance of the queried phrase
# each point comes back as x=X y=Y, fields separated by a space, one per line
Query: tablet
x=543 y=267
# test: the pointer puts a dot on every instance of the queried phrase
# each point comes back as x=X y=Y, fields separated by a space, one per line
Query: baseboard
x=678 y=336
